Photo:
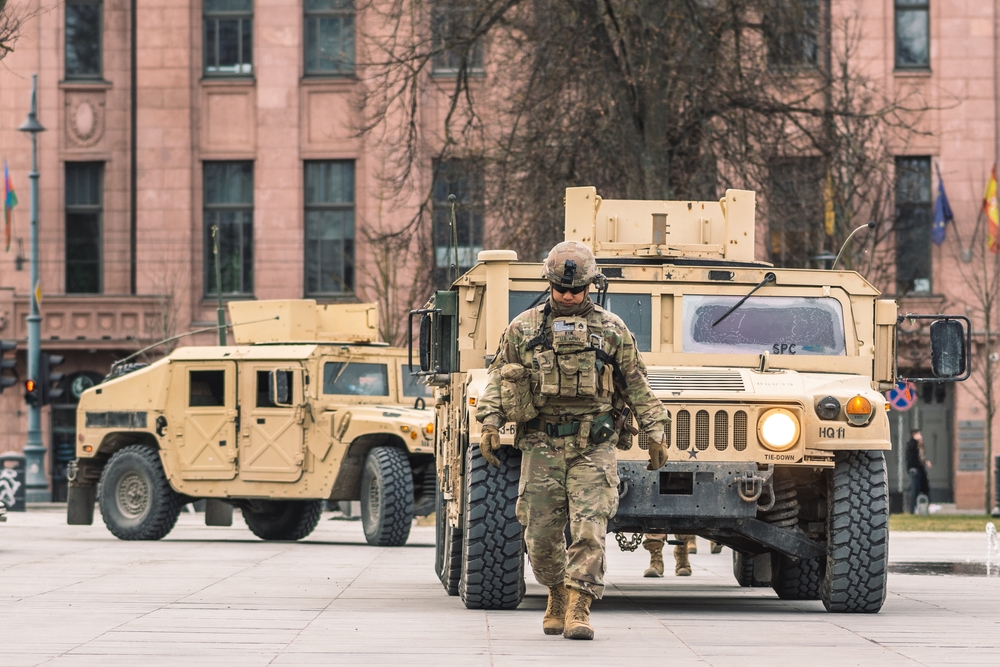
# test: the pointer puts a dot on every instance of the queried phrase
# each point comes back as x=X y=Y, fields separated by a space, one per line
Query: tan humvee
x=306 y=407
x=778 y=432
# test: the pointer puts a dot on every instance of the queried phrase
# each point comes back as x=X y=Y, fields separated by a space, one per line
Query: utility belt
x=602 y=427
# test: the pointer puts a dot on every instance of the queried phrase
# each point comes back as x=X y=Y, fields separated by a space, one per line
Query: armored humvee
x=306 y=407
x=771 y=377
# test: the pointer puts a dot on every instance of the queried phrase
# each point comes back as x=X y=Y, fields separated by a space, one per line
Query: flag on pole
x=992 y=213
x=942 y=214
x=9 y=202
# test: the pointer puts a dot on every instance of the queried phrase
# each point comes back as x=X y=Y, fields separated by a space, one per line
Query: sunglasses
x=571 y=290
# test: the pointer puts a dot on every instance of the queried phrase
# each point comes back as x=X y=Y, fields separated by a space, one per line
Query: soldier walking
x=565 y=371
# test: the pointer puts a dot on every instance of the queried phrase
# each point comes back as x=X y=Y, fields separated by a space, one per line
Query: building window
x=84 y=190
x=791 y=32
x=464 y=179
x=329 y=227
x=913 y=35
x=913 y=224
x=451 y=32
x=329 y=38
x=795 y=210
x=83 y=39
x=228 y=37
x=229 y=211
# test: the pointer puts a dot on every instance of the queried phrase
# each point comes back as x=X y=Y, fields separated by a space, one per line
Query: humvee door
x=272 y=417
x=206 y=444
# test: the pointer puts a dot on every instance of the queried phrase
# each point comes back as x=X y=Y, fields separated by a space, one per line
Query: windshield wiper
x=769 y=277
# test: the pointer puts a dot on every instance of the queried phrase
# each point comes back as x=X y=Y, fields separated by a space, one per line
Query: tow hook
x=751 y=486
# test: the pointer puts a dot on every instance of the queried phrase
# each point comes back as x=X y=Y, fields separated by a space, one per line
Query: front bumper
x=716 y=500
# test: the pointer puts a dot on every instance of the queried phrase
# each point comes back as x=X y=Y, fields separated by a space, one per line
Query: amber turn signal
x=859 y=410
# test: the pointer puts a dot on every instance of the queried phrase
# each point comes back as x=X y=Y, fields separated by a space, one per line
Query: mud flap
x=218 y=512
x=80 y=505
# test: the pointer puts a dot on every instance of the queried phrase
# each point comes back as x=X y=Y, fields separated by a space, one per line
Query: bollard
x=996 y=486
x=12 y=480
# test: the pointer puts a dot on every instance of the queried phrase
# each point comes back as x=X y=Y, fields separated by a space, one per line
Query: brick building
x=239 y=116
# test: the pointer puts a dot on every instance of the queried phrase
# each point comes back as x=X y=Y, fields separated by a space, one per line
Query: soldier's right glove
x=489 y=442
x=657 y=454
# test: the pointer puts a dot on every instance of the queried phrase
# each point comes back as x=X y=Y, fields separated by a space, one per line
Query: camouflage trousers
x=560 y=484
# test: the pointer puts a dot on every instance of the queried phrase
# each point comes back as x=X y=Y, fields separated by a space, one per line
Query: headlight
x=859 y=410
x=778 y=429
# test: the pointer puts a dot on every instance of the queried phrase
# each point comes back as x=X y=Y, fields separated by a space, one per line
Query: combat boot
x=692 y=544
x=578 y=616
x=555 y=611
x=655 y=568
x=683 y=566
x=716 y=548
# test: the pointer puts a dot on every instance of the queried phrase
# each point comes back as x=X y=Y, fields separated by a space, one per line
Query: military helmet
x=570 y=264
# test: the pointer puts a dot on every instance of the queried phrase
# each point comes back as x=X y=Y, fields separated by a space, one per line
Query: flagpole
x=36 y=482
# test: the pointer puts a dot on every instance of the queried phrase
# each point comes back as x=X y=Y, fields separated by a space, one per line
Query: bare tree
x=642 y=98
x=979 y=270
x=12 y=18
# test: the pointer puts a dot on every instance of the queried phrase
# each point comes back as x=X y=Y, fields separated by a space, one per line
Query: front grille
x=721 y=430
x=696 y=380
x=683 y=426
x=701 y=430
x=740 y=431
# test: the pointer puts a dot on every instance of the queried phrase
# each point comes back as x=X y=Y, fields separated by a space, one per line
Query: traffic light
x=47 y=378
x=31 y=393
x=7 y=363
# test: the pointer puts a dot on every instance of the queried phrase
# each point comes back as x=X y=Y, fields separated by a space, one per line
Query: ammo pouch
x=515 y=393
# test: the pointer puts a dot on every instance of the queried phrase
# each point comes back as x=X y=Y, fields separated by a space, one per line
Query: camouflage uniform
x=567 y=476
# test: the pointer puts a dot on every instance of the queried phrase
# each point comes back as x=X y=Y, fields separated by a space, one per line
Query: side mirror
x=950 y=343
x=279 y=390
x=426 y=334
x=948 y=351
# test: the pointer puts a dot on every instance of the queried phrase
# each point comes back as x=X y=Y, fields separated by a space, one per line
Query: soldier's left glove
x=489 y=442
x=657 y=454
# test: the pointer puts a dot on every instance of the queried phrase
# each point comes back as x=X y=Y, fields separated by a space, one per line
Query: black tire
x=493 y=539
x=448 y=554
x=282 y=519
x=386 y=497
x=797 y=579
x=857 y=534
x=136 y=500
x=743 y=571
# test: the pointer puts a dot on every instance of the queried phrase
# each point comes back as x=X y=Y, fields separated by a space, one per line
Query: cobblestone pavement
x=75 y=595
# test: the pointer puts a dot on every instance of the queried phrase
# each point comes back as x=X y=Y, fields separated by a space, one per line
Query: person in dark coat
x=916 y=459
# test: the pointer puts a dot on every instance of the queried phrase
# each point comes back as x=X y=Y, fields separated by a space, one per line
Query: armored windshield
x=777 y=324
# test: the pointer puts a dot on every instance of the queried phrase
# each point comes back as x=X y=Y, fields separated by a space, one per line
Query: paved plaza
x=75 y=596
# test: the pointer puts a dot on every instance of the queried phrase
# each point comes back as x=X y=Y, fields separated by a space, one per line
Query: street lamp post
x=36 y=483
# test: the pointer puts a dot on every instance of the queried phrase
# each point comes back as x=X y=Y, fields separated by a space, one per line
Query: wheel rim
x=133 y=495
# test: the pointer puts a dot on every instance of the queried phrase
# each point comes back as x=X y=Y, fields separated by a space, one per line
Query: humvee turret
x=306 y=407
x=772 y=378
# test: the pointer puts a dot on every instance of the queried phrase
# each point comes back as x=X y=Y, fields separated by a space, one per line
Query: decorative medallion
x=84 y=119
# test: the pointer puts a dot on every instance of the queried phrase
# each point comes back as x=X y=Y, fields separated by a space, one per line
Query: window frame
x=245 y=291
x=473 y=207
x=317 y=15
x=308 y=207
x=84 y=209
x=217 y=15
x=99 y=76
x=811 y=12
x=927 y=206
x=904 y=6
x=441 y=12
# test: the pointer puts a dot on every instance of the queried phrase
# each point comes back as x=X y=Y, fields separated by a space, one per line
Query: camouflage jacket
x=530 y=334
